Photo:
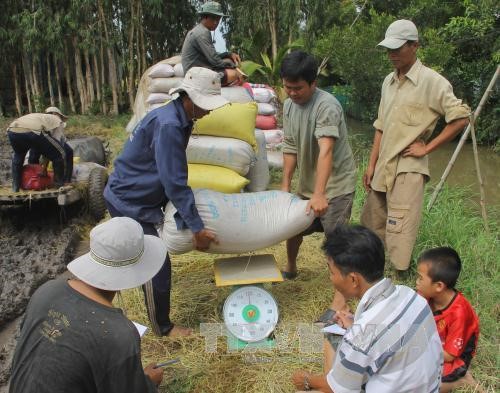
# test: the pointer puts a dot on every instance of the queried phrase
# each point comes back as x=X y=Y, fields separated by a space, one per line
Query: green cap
x=211 y=8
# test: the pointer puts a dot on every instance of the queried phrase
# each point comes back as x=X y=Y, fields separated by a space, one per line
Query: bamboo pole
x=482 y=201
x=447 y=171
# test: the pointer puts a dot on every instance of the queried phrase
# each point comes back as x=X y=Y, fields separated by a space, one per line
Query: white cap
x=120 y=257
x=398 y=33
x=203 y=87
x=55 y=110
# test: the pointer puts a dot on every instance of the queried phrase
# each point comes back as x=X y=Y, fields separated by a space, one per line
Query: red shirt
x=458 y=328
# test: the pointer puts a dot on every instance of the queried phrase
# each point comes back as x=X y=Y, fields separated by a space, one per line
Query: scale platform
x=248 y=269
x=250 y=313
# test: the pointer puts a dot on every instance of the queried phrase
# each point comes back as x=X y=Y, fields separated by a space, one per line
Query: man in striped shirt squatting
x=391 y=343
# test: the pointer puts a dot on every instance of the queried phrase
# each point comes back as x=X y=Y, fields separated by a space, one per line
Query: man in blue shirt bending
x=152 y=170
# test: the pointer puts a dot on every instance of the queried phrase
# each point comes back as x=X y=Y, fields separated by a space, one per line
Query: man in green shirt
x=316 y=145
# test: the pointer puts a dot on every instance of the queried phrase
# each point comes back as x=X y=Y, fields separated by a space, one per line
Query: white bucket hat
x=120 y=257
x=203 y=87
x=398 y=33
x=54 y=109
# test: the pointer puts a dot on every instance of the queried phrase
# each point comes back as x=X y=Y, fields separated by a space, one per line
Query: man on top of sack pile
x=42 y=134
x=152 y=170
x=198 y=49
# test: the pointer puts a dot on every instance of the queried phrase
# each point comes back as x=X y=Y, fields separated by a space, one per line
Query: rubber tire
x=96 y=203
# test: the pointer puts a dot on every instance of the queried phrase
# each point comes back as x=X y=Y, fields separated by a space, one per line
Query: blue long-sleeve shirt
x=152 y=170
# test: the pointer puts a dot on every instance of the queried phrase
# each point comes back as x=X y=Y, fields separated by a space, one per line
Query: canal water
x=463 y=172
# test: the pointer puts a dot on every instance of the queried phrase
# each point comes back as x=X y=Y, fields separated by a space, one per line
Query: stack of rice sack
x=222 y=148
x=266 y=121
x=265 y=98
x=226 y=138
x=162 y=78
x=154 y=86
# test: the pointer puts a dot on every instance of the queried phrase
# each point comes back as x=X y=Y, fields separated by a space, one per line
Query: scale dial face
x=250 y=313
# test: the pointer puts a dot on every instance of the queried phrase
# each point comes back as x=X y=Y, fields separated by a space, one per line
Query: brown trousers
x=395 y=216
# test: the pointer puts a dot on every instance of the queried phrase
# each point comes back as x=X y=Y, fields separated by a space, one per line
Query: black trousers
x=34 y=158
x=43 y=143
x=157 y=290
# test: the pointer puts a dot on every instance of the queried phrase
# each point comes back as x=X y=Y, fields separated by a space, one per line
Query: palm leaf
x=266 y=60
x=249 y=67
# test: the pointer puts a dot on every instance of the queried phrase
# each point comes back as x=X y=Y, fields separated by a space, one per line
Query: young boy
x=457 y=323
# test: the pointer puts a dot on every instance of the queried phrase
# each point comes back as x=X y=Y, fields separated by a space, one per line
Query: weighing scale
x=250 y=312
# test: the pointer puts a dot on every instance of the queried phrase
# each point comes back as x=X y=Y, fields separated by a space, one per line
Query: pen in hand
x=167 y=363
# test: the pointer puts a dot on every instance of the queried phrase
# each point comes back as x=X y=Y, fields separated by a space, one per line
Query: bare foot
x=179 y=331
x=447 y=387
x=469 y=380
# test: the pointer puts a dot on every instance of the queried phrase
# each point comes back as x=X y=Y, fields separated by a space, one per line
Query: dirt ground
x=36 y=243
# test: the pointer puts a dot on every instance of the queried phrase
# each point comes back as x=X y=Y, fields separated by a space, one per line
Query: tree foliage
x=88 y=55
x=459 y=39
x=84 y=55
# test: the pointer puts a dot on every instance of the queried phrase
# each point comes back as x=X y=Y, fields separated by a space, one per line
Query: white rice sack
x=230 y=153
x=178 y=70
x=259 y=172
x=236 y=94
x=155 y=106
x=265 y=109
x=158 y=98
x=273 y=137
x=275 y=158
x=241 y=222
x=140 y=106
x=173 y=60
x=131 y=124
x=261 y=94
x=81 y=171
x=163 y=85
x=161 y=70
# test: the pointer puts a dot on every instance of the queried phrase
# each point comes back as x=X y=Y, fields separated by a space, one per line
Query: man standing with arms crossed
x=413 y=98
x=316 y=144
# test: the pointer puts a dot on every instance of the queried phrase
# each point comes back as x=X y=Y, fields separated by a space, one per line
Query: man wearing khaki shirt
x=413 y=98
x=44 y=134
